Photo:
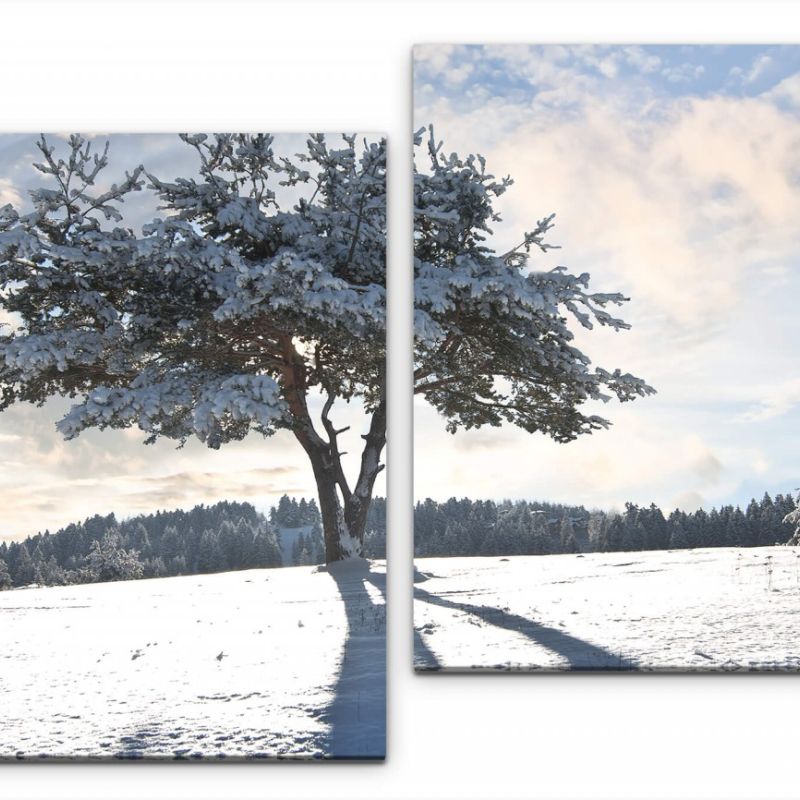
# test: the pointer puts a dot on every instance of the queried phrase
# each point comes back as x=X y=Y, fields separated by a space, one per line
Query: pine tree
x=226 y=315
x=5 y=575
x=109 y=561
x=678 y=539
x=23 y=568
x=210 y=557
x=793 y=518
x=567 y=536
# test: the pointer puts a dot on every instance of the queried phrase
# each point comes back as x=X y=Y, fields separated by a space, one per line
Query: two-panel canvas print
x=606 y=421
x=192 y=339
x=193 y=402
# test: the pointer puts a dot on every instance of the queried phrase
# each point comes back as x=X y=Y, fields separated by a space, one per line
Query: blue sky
x=675 y=176
x=672 y=70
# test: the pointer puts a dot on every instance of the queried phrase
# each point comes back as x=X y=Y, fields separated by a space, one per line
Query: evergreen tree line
x=291 y=513
x=484 y=528
x=225 y=536
x=309 y=546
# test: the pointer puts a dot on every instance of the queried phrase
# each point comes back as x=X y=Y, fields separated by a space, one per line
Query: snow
x=286 y=663
x=730 y=609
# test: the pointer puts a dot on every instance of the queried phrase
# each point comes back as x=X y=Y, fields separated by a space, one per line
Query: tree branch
x=335 y=455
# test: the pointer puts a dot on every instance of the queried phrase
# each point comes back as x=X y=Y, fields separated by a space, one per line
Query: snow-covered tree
x=109 y=561
x=493 y=337
x=567 y=535
x=23 y=570
x=5 y=575
x=793 y=518
x=226 y=315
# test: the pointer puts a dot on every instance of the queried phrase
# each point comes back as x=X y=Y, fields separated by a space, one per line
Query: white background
x=300 y=65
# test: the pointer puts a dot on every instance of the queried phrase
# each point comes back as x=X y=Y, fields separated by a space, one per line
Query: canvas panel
x=220 y=299
x=606 y=385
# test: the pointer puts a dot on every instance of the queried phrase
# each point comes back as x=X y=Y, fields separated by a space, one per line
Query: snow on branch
x=493 y=335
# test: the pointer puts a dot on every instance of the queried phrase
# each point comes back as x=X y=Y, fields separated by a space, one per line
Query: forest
x=217 y=538
x=232 y=536
x=464 y=527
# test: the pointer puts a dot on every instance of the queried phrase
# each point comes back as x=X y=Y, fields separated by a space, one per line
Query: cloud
x=688 y=502
x=776 y=401
x=9 y=194
x=760 y=465
x=678 y=201
x=683 y=73
x=434 y=57
x=761 y=64
x=706 y=466
x=786 y=92
x=194 y=487
x=641 y=59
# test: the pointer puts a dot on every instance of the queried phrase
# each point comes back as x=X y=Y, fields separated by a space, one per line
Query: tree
x=109 y=561
x=227 y=315
x=678 y=540
x=23 y=570
x=493 y=344
x=793 y=518
x=210 y=557
x=5 y=576
x=567 y=535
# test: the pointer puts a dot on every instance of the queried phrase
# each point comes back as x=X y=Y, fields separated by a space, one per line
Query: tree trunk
x=357 y=505
x=335 y=530
x=344 y=512
x=344 y=520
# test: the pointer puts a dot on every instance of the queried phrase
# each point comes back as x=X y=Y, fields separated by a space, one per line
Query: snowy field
x=254 y=664
x=728 y=609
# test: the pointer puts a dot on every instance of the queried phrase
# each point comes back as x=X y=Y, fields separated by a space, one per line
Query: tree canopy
x=493 y=337
x=222 y=315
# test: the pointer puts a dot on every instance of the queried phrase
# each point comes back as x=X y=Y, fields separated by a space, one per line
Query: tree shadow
x=357 y=714
x=579 y=654
x=424 y=658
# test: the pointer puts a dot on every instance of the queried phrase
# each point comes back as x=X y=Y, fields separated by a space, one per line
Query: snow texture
x=728 y=609
x=281 y=663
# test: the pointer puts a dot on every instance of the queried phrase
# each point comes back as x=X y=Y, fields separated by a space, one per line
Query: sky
x=674 y=174
x=46 y=482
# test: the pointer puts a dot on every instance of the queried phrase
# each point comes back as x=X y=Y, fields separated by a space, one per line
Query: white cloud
x=433 y=57
x=677 y=203
x=458 y=75
x=641 y=59
x=759 y=67
x=775 y=401
x=683 y=73
x=688 y=501
x=787 y=91
x=760 y=465
x=9 y=193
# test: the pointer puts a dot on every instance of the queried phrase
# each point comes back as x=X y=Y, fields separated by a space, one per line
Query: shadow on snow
x=357 y=714
x=579 y=654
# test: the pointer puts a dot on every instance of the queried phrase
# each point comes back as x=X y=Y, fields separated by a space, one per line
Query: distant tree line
x=218 y=538
x=291 y=513
x=225 y=536
x=309 y=545
x=464 y=527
